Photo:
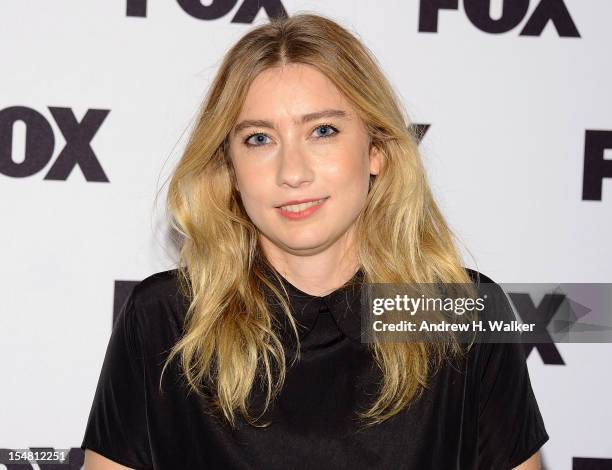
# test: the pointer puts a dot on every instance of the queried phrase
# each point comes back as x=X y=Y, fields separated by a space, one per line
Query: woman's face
x=297 y=138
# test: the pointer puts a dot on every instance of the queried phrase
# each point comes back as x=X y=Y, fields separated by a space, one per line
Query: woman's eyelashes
x=327 y=126
x=260 y=136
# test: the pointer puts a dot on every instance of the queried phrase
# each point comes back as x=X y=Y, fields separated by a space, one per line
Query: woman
x=301 y=181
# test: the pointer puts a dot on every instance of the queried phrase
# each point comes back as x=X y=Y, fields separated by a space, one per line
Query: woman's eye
x=259 y=138
x=327 y=127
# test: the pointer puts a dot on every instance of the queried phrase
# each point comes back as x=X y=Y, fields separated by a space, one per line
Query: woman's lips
x=303 y=213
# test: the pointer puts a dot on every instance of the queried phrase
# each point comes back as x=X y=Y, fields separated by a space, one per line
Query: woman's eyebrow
x=326 y=113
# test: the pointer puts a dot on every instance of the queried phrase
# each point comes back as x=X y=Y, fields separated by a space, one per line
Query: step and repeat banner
x=514 y=100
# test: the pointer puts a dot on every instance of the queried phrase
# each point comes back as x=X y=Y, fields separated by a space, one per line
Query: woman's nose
x=294 y=165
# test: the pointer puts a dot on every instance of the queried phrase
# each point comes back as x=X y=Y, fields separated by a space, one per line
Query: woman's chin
x=305 y=245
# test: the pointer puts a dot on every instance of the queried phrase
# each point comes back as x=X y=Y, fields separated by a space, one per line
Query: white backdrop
x=508 y=117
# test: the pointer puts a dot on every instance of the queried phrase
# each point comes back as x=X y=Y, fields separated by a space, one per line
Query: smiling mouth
x=295 y=208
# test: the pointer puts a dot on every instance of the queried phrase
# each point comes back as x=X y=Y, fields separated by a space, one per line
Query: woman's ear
x=375 y=159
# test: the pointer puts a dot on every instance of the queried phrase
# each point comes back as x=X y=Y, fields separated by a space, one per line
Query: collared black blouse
x=479 y=413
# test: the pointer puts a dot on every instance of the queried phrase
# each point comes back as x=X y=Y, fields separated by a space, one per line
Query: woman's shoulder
x=491 y=290
x=157 y=285
x=158 y=297
x=497 y=301
x=478 y=277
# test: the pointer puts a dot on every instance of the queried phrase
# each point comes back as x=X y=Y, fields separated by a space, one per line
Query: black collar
x=344 y=305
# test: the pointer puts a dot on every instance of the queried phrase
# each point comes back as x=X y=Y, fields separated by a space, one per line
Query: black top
x=480 y=415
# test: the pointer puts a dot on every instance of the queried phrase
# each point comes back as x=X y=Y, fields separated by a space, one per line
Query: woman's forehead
x=297 y=96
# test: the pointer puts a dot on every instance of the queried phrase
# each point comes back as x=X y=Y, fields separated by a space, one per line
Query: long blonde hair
x=401 y=237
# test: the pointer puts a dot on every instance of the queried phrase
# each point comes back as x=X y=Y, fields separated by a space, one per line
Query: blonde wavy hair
x=229 y=340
